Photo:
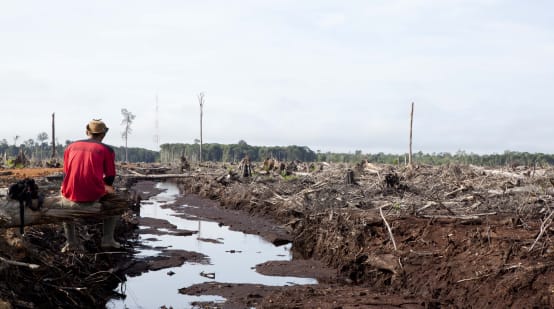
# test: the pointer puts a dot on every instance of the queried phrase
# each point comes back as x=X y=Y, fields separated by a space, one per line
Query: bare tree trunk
x=349 y=177
x=53 y=136
x=411 y=127
x=126 y=156
x=201 y=101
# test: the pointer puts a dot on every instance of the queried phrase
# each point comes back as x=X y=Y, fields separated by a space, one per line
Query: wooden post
x=53 y=137
x=411 y=127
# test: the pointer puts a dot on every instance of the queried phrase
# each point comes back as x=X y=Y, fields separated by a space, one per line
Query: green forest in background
x=39 y=151
x=235 y=152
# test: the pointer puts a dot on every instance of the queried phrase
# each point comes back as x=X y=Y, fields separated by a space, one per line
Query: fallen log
x=530 y=189
x=497 y=172
x=137 y=176
x=149 y=170
x=53 y=212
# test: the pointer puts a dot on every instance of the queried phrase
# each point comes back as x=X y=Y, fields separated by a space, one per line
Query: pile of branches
x=450 y=192
x=37 y=275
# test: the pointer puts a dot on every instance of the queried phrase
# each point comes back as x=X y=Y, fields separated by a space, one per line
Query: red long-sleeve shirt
x=88 y=166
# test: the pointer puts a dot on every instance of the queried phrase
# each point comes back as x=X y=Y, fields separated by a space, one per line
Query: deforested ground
x=452 y=236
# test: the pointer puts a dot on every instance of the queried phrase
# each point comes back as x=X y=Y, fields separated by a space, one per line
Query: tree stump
x=349 y=177
x=245 y=167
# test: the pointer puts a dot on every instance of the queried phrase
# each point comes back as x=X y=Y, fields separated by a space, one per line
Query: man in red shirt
x=89 y=173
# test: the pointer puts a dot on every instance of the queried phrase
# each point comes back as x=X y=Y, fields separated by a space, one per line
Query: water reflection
x=232 y=255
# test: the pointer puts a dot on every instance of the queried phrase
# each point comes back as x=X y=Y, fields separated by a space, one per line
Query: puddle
x=232 y=256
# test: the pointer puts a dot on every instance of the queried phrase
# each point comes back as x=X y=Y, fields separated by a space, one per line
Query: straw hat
x=96 y=126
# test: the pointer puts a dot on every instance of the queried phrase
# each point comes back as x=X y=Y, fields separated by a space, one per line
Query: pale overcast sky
x=331 y=75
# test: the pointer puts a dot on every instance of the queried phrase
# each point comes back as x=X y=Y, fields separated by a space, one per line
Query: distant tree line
x=134 y=154
x=35 y=150
x=234 y=152
x=40 y=150
x=460 y=157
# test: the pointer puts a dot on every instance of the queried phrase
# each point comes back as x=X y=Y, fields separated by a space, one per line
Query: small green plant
x=289 y=177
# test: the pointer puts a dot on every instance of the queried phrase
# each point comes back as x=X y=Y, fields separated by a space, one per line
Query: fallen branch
x=473 y=278
x=16 y=263
x=388 y=227
x=468 y=217
x=544 y=226
x=447 y=209
x=429 y=204
x=138 y=176
x=452 y=193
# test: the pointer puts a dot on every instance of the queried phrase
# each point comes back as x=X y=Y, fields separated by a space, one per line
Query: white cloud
x=339 y=75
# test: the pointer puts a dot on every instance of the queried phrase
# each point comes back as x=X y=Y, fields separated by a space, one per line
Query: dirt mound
x=456 y=236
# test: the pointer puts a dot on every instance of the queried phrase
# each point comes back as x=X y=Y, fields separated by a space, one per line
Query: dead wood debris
x=379 y=230
x=40 y=276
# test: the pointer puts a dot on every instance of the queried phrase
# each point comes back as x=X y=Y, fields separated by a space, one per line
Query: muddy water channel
x=231 y=258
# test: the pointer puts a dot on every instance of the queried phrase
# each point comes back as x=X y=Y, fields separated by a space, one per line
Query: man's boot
x=72 y=242
x=108 y=229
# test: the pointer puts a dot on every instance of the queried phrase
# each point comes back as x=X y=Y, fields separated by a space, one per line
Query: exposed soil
x=460 y=236
x=19 y=173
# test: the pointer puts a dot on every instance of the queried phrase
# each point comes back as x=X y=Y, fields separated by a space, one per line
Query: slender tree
x=201 y=101
x=411 y=127
x=53 y=136
x=41 y=137
x=198 y=151
x=128 y=118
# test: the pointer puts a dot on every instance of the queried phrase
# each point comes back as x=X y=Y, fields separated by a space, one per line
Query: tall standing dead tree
x=53 y=136
x=411 y=127
x=128 y=118
x=201 y=96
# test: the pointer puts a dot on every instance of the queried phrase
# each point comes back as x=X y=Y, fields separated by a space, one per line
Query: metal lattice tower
x=157 y=129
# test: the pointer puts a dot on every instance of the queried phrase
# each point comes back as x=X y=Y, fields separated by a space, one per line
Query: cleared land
x=420 y=237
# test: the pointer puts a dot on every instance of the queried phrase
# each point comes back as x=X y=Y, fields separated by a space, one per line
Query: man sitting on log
x=89 y=173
